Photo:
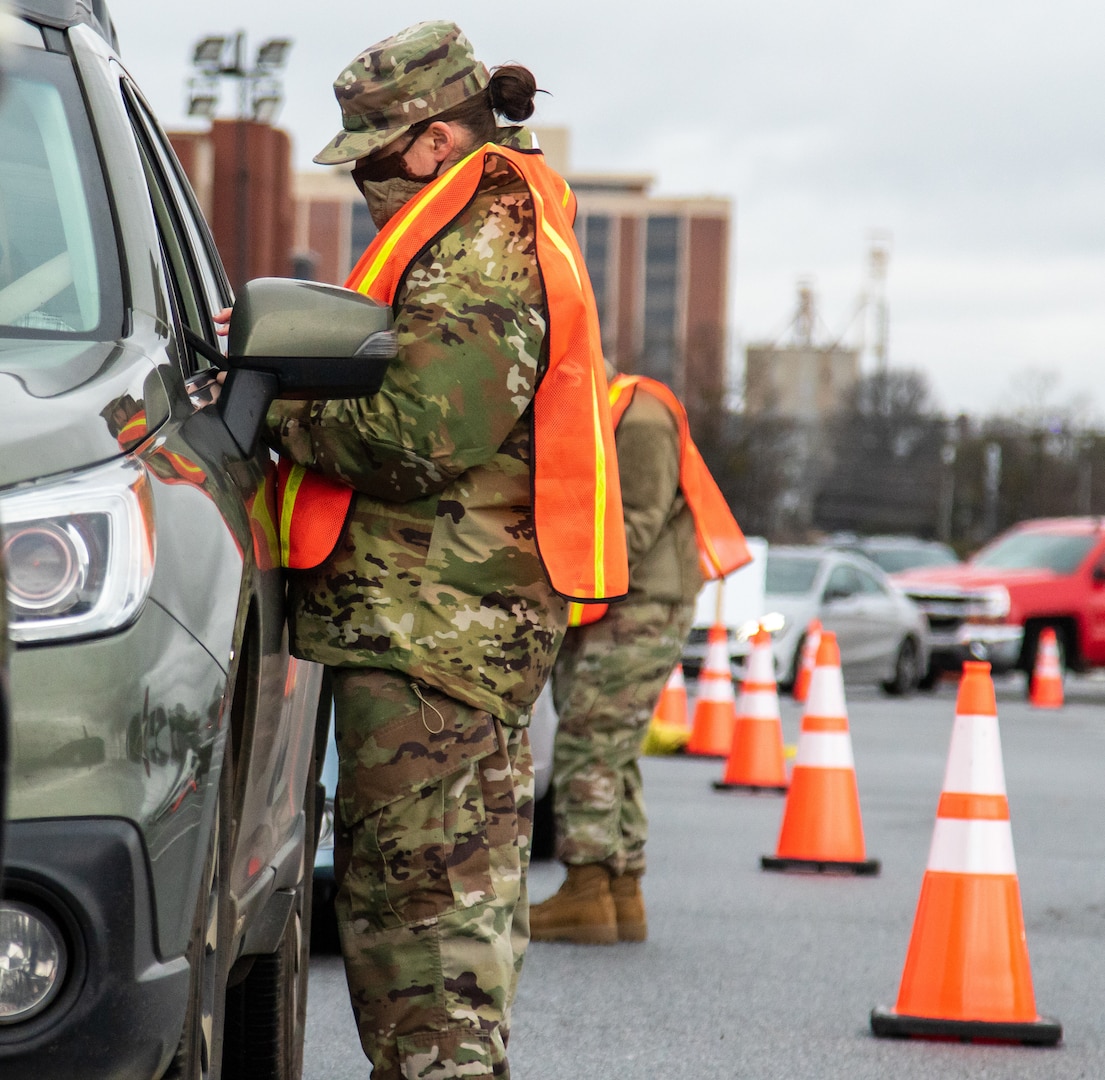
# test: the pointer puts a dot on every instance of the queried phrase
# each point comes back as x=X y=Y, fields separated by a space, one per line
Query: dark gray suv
x=155 y=910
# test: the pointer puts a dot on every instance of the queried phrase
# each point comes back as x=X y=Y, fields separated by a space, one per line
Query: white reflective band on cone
x=825 y=750
x=974 y=760
x=717 y=657
x=961 y=846
x=826 y=692
x=715 y=690
x=761 y=666
x=759 y=704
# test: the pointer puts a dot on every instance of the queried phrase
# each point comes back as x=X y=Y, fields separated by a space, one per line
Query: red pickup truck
x=1044 y=572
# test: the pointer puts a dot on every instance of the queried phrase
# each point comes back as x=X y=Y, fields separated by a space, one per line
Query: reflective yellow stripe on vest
x=585 y=614
x=287 y=508
x=600 y=499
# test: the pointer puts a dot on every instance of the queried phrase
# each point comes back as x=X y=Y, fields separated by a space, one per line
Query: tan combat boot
x=629 y=907
x=582 y=910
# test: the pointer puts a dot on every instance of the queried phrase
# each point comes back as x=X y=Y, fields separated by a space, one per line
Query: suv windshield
x=58 y=263
x=1036 y=551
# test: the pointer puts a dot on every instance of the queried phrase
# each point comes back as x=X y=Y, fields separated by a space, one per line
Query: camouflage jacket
x=659 y=526
x=437 y=574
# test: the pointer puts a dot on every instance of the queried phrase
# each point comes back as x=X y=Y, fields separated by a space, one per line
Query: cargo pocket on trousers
x=433 y=850
x=422 y=850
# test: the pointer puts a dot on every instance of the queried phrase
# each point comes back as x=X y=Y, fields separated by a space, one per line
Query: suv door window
x=194 y=293
x=59 y=266
x=216 y=288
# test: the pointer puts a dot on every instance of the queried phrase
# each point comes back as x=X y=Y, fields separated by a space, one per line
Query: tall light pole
x=879 y=257
x=218 y=57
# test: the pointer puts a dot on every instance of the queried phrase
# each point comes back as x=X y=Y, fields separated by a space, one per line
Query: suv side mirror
x=304 y=340
x=1099 y=574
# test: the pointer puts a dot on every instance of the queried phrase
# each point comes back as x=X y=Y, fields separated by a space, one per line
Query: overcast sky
x=967 y=131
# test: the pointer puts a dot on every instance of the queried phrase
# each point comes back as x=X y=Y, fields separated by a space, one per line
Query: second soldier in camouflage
x=606 y=681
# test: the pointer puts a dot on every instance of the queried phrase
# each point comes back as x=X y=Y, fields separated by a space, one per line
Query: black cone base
x=1042 y=1032
x=756 y=789
x=868 y=867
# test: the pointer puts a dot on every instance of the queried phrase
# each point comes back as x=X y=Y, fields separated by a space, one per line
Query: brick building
x=659 y=267
x=241 y=172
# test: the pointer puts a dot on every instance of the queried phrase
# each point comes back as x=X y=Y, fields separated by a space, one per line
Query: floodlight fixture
x=273 y=53
x=203 y=97
x=208 y=52
x=265 y=99
x=222 y=56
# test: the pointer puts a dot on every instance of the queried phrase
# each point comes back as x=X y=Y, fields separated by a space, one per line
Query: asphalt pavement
x=753 y=974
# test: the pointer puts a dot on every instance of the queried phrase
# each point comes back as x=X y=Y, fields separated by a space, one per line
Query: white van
x=737 y=602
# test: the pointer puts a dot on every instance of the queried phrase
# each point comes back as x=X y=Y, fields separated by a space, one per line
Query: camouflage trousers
x=606 y=682
x=435 y=814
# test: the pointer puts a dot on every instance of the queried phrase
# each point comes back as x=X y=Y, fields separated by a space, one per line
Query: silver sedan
x=882 y=634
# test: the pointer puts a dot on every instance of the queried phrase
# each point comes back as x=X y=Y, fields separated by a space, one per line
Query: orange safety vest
x=721 y=545
x=577 y=493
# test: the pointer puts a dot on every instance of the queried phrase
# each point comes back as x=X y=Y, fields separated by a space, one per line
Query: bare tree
x=885 y=447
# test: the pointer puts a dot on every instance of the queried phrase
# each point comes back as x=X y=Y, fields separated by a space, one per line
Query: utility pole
x=805 y=319
x=879 y=258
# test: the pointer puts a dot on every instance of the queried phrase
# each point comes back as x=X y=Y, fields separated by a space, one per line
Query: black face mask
x=373 y=170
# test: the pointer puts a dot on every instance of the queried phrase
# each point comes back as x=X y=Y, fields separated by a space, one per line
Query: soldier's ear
x=444 y=139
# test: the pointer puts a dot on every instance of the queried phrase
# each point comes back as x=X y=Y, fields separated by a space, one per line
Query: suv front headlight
x=79 y=553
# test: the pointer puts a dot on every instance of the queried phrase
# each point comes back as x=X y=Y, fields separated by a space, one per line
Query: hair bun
x=511 y=91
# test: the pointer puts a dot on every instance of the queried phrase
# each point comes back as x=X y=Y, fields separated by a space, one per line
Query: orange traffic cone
x=966 y=972
x=807 y=660
x=671 y=709
x=1045 y=691
x=756 y=759
x=822 y=831
x=715 y=707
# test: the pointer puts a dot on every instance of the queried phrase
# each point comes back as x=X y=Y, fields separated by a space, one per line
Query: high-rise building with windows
x=659 y=267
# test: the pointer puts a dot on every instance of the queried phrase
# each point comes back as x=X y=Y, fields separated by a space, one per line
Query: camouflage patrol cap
x=416 y=75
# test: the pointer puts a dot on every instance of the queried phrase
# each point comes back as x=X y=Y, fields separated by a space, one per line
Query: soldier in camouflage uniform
x=434 y=613
x=606 y=682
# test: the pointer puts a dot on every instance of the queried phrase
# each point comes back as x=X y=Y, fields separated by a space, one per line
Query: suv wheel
x=267 y=1010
